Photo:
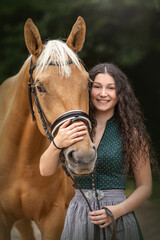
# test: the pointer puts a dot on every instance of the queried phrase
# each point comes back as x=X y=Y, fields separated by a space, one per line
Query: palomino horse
x=60 y=82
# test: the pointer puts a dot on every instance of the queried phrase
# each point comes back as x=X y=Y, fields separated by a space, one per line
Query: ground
x=148 y=216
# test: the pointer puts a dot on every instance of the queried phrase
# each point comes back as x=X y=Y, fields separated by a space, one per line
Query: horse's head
x=59 y=83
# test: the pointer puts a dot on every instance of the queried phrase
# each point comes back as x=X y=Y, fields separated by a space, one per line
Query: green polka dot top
x=109 y=168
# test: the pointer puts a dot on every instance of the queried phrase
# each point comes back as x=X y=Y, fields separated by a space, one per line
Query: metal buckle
x=90 y=195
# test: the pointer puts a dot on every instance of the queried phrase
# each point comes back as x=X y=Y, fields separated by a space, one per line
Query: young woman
x=123 y=148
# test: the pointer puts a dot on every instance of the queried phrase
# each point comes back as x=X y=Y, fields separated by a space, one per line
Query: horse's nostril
x=94 y=148
x=71 y=158
x=85 y=158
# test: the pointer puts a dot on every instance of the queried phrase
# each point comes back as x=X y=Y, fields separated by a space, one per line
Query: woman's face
x=103 y=93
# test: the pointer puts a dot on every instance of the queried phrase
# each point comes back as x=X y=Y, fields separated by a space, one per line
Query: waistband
x=90 y=194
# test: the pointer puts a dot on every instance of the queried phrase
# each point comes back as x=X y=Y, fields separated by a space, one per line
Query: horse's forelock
x=58 y=52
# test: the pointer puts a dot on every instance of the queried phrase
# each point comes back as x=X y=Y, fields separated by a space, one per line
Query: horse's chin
x=80 y=172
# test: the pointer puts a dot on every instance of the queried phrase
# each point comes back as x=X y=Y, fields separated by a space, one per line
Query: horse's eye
x=41 y=88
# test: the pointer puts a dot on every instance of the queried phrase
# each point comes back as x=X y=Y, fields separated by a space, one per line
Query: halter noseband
x=75 y=115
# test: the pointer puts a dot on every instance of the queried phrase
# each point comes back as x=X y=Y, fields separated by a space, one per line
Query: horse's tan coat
x=24 y=194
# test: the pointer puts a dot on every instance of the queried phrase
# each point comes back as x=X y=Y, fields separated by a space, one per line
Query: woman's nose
x=103 y=92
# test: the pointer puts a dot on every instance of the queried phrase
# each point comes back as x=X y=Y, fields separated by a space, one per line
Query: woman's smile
x=103 y=94
x=102 y=101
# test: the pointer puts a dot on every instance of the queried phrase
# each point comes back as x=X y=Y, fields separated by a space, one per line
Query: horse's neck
x=13 y=97
x=32 y=143
x=17 y=129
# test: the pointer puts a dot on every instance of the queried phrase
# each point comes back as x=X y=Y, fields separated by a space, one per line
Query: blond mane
x=58 y=52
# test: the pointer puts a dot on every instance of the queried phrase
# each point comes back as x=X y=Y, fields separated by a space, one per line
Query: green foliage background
x=125 y=32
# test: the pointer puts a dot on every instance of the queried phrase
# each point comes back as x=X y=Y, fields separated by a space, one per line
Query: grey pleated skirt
x=78 y=225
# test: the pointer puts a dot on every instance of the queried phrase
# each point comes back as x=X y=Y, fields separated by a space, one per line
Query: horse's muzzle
x=80 y=162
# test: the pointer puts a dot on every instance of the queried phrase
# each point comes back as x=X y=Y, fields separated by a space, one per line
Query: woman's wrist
x=117 y=210
x=55 y=144
x=53 y=148
x=120 y=211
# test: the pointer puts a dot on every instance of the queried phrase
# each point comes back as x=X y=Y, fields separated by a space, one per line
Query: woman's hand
x=67 y=135
x=101 y=218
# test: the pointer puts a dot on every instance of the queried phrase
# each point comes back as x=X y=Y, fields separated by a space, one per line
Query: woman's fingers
x=65 y=124
x=75 y=130
x=78 y=129
x=102 y=222
x=75 y=125
x=105 y=224
x=100 y=218
x=74 y=140
x=68 y=135
x=72 y=126
x=96 y=213
x=77 y=134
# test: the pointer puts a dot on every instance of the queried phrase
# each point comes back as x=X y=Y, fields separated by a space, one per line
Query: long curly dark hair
x=135 y=139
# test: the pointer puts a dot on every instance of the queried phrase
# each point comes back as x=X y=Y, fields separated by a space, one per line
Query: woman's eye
x=41 y=88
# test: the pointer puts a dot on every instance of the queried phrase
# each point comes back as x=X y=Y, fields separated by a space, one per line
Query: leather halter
x=75 y=115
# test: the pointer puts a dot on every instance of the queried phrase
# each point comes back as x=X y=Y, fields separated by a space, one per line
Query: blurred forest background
x=125 y=32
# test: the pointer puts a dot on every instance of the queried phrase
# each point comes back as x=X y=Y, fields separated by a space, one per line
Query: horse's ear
x=77 y=36
x=32 y=38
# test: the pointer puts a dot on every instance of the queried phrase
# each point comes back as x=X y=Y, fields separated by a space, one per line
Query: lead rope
x=108 y=212
x=96 y=194
x=96 y=227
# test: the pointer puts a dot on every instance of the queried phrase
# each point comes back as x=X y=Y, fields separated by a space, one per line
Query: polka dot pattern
x=109 y=169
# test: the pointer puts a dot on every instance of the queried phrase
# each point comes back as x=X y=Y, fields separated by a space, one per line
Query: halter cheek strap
x=75 y=115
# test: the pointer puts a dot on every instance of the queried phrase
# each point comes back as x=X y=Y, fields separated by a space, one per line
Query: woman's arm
x=49 y=160
x=66 y=136
x=143 y=179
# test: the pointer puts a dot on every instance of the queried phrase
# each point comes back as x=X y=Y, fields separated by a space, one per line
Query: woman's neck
x=103 y=117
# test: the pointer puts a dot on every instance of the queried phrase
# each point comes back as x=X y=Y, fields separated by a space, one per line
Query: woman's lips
x=103 y=101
